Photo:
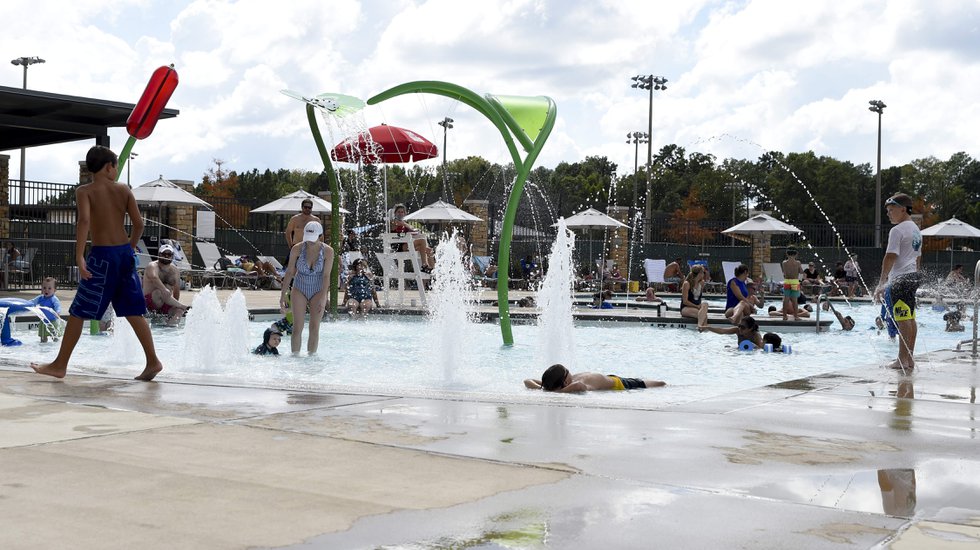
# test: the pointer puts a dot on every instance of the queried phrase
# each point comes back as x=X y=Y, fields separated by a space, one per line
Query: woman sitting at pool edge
x=557 y=378
x=691 y=305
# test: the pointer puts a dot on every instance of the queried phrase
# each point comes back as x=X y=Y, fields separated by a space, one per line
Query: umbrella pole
x=335 y=210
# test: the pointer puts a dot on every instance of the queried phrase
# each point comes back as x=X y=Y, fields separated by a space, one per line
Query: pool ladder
x=976 y=307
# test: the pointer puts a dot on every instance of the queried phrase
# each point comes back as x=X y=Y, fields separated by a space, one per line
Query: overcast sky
x=786 y=75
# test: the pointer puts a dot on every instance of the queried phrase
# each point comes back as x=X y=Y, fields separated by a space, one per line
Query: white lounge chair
x=22 y=268
x=729 y=269
x=774 y=276
x=654 y=270
x=210 y=256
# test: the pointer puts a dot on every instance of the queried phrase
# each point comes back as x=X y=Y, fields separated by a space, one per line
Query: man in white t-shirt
x=900 y=276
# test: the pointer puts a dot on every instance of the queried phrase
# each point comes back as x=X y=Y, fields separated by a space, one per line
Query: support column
x=84 y=176
x=619 y=240
x=480 y=231
x=4 y=196
x=182 y=218
x=761 y=254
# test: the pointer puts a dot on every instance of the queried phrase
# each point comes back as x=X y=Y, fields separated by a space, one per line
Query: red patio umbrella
x=387 y=144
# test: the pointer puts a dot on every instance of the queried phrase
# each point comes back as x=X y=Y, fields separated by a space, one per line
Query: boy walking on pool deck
x=557 y=378
x=900 y=276
x=109 y=274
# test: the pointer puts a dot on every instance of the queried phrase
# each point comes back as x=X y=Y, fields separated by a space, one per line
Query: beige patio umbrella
x=293 y=202
x=951 y=229
x=591 y=218
x=162 y=192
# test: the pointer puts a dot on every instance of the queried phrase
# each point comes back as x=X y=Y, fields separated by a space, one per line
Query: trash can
x=634 y=286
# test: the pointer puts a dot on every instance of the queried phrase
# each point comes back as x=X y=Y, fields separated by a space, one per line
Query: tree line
x=683 y=185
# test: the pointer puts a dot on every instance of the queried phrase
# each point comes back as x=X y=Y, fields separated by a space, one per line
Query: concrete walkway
x=861 y=458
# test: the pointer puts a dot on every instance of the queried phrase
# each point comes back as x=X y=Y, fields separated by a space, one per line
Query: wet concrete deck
x=860 y=458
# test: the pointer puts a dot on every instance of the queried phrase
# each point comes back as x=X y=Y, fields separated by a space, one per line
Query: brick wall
x=619 y=244
x=480 y=231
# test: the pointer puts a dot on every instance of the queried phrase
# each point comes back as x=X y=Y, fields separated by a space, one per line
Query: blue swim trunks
x=114 y=280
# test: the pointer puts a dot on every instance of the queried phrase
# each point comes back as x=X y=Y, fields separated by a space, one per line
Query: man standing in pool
x=109 y=274
x=900 y=276
x=558 y=379
x=296 y=225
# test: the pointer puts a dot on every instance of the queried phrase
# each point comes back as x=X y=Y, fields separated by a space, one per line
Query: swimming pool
x=398 y=356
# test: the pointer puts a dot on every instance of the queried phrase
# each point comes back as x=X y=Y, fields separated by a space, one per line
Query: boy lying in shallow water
x=557 y=378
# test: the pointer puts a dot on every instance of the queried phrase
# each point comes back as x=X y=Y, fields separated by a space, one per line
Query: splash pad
x=526 y=120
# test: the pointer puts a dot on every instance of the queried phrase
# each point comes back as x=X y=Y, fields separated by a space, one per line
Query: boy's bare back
x=106 y=204
x=792 y=268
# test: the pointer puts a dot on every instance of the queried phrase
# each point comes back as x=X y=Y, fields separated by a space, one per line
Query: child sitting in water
x=285 y=325
x=47 y=299
x=953 y=319
x=270 y=342
x=360 y=294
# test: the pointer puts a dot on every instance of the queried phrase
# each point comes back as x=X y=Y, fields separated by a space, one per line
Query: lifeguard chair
x=395 y=264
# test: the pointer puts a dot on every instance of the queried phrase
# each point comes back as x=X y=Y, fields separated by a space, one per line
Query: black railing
x=45 y=221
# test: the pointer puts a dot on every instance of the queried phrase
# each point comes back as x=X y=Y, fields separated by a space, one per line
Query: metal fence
x=45 y=222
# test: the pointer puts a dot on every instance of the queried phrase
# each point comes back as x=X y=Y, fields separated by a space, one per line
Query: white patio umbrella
x=593 y=219
x=440 y=211
x=951 y=229
x=763 y=224
x=293 y=203
x=161 y=192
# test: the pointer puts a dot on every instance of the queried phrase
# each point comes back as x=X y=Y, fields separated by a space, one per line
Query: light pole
x=649 y=82
x=446 y=124
x=132 y=156
x=25 y=62
x=878 y=106
x=636 y=138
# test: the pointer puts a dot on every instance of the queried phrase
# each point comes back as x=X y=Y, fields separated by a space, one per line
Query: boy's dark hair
x=771 y=309
x=554 y=378
x=98 y=156
x=742 y=268
x=774 y=339
x=749 y=322
x=791 y=251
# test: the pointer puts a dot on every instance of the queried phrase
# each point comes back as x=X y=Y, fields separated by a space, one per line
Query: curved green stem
x=124 y=156
x=334 y=203
x=499 y=111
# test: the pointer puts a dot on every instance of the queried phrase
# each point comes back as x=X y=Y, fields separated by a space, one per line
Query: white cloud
x=788 y=76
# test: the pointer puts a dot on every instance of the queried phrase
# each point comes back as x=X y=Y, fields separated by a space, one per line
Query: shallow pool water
x=400 y=356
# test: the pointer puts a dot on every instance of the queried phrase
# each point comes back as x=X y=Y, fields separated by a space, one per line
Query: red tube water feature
x=158 y=90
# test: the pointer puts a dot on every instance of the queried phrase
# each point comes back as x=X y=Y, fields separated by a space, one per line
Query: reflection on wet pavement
x=931 y=487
